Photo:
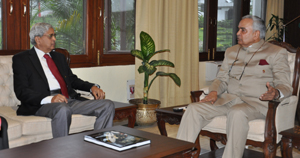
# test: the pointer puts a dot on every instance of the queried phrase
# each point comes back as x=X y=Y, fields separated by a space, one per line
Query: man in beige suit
x=252 y=72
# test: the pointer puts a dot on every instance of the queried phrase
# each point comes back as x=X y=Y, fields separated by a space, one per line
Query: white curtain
x=173 y=24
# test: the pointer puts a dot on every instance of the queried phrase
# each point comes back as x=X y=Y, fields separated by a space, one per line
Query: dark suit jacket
x=30 y=82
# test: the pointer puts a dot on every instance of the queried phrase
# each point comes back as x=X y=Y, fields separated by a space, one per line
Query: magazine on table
x=116 y=140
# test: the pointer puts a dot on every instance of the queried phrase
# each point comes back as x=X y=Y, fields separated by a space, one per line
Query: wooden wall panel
x=15 y=24
x=291 y=11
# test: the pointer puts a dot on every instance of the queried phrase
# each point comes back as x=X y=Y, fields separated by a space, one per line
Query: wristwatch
x=96 y=86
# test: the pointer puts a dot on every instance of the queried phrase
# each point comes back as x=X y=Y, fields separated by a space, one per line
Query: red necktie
x=57 y=75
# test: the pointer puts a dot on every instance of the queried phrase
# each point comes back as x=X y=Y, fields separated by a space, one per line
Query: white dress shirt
x=52 y=82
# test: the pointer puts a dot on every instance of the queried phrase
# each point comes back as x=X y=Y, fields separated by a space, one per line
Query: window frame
x=210 y=38
x=16 y=27
x=111 y=57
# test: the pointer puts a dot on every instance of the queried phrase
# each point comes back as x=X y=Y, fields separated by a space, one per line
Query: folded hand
x=211 y=97
x=270 y=94
x=59 y=99
x=98 y=93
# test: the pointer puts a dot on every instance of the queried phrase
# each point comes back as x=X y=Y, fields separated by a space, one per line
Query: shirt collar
x=40 y=53
x=254 y=46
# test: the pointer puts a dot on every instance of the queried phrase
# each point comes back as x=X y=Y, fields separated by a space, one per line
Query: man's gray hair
x=258 y=25
x=38 y=30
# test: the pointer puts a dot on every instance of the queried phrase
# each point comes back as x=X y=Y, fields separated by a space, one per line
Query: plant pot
x=145 y=113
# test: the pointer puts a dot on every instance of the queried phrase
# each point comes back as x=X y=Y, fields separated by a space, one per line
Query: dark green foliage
x=148 y=68
x=276 y=23
x=67 y=19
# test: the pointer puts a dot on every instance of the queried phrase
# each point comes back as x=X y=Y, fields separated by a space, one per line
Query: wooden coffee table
x=74 y=146
x=167 y=115
x=125 y=110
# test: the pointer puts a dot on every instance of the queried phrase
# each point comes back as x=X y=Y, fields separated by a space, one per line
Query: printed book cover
x=116 y=140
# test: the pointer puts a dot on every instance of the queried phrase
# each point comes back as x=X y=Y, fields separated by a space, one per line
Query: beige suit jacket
x=256 y=74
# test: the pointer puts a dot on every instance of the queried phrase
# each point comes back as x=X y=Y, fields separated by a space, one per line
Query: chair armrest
x=196 y=95
x=285 y=114
x=280 y=116
x=270 y=126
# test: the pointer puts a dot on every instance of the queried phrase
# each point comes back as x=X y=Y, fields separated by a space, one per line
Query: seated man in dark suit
x=3 y=134
x=44 y=83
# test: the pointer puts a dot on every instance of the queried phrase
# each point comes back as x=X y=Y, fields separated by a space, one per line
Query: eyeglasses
x=51 y=35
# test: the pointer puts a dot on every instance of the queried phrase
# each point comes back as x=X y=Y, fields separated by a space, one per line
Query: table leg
x=132 y=118
x=161 y=124
x=286 y=147
x=129 y=113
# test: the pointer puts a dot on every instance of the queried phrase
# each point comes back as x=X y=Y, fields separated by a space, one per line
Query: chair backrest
x=294 y=61
x=7 y=94
x=64 y=52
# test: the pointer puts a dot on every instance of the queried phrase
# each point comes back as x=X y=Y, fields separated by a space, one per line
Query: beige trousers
x=238 y=114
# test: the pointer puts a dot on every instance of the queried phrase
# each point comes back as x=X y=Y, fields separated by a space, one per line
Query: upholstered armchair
x=262 y=132
x=3 y=134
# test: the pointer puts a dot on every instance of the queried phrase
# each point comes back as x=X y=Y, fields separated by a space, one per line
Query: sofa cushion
x=81 y=123
x=32 y=125
x=14 y=129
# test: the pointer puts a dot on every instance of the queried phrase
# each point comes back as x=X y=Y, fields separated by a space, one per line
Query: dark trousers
x=61 y=114
x=3 y=134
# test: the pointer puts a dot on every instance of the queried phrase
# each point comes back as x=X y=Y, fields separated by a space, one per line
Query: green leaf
x=160 y=51
x=141 y=69
x=175 y=78
x=147 y=45
x=150 y=69
x=270 y=21
x=137 y=53
x=161 y=63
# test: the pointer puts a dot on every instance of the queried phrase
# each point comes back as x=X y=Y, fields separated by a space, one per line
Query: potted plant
x=146 y=107
x=276 y=23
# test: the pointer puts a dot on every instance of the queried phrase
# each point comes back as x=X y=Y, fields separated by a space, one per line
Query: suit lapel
x=37 y=64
